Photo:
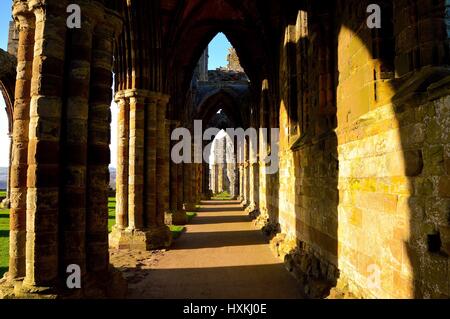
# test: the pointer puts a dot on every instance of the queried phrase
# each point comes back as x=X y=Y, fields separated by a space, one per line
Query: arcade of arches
x=363 y=186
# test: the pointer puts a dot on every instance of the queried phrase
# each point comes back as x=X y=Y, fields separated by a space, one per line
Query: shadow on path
x=221 y=255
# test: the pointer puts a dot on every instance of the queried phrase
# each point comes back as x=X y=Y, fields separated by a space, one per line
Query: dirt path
x=220 y=256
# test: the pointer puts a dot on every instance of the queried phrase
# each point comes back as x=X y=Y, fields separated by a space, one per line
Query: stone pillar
x=97 y=255
x=246 y=181
x=212 y=178
x=61 y=170
x=240 y=160
x=180 y=198
x=206 y=193
x=241 y=182
x=179 y=216
x=162 y=159
x=74 y=148
x=123 y=136
x=236 y=180
x=198 y=197
x=18 y=168
x=136 y=162
x=43 y=175
x=148 y=174
x=188 y=171
x=253 y=177
x=221 y=178
x=151 y=181
x=6 y=203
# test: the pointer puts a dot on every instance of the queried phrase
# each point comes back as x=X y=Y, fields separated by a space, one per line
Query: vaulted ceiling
x=188 y=27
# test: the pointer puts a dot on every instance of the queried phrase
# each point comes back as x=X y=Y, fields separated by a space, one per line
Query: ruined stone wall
x=363 y=182
x=392 y=137
x=13 y=39
x=233 y=61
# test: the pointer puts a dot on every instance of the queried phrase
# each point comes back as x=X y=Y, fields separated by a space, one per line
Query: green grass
x=190 y=215
x=111 y=212
x=4 y=230
x=2 y=194
x=222 y=196
x=4 y=241
x=176 y=230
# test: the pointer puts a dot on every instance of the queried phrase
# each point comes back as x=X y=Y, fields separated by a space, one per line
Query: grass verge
x=222 y=196
x=4 y=241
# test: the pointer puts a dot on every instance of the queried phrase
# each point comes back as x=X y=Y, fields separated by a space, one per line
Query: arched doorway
x=7 y=84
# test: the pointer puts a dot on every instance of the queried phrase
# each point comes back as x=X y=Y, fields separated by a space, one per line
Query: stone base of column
x=260 y=218
x=5 y=204
x=189 y=207
x=179 y=217
x=149 y=239
x=17 y=290
x=109 y=284
x=252 y=210
x=207 y=196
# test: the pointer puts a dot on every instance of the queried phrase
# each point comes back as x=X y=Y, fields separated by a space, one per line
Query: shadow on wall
x=309 y=168
x=378 y=181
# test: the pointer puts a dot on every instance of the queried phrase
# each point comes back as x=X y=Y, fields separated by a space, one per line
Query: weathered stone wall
x=362 y=193
x=393 y=183
x=13 y=39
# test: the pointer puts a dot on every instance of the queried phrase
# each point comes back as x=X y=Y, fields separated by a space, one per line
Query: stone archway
x=7 y=87
x=316 y=72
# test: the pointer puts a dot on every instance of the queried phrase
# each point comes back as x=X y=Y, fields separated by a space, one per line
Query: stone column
x=67 y=151
x=241 y=182
x=235 y=185
x=179 y=216
x=123 y=136
x=253 y=177
x=180 y=198
x=212 y=176
x=240 y=167
x=197 y=183
x=74 y=147
x=6 y=202
x=162 y=159
x=130 y=233
x=158 y=171
x=43 y=175
x=236 y=181
x=148 y=174
x=97 y=255
x=151 y=181
x=246 y=171
x=205 y=181
x=18 y=168
x=188 y=187
x=136 y=162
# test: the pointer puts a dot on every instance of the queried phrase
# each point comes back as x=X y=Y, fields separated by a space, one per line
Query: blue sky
x=218 y=51
x=5 y=17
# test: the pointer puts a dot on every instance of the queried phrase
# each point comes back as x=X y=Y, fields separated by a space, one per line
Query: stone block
x=152 y=238
x=444 y=186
